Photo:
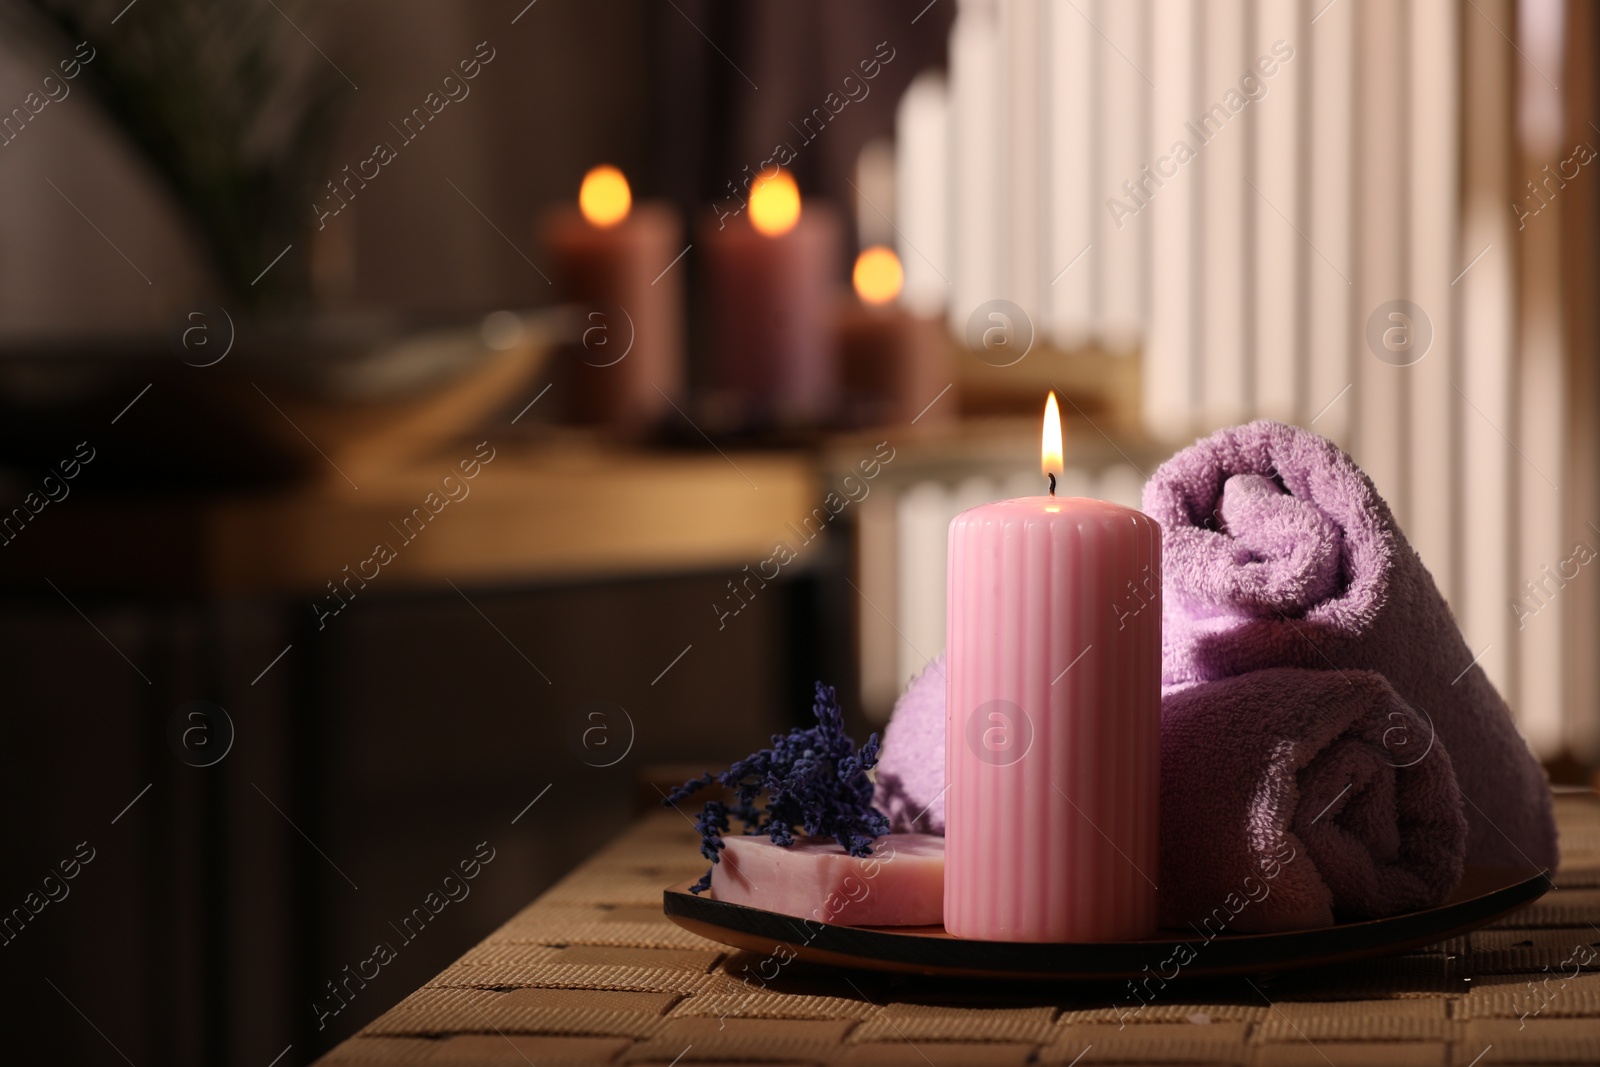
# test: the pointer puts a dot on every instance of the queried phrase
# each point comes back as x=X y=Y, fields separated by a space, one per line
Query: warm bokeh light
x=1050 y=452
x=604 y=197
x=878 y=276
x=774 y=204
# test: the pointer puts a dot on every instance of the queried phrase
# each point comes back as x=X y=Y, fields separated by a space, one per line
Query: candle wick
x=1052 y=478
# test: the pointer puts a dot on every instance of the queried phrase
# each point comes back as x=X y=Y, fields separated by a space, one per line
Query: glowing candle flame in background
x=1050 y=452
x=774 y=204
x=604 y=198
x=878 y=276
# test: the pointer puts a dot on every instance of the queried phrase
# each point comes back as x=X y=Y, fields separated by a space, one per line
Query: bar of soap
x=900 y=884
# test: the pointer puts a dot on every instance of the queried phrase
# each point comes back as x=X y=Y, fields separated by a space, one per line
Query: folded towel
x=1278 y=551
x=910 y=786
x=1287 y=803
x=1290 y=797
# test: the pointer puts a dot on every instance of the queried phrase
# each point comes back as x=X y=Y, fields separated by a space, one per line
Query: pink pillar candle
x=770 y=298
x=615 y=275
x=1052 y=721
x=892 y=366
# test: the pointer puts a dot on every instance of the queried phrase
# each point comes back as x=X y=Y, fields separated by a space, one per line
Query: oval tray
x=1483 y=896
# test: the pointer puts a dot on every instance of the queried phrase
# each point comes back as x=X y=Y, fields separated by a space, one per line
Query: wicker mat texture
x=592 y=972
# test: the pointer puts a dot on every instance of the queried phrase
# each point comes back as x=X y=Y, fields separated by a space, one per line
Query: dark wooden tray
x=1483 y=896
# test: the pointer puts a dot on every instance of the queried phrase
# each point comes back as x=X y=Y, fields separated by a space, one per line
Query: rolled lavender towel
x=1277 y=551
x=1287 y=802
x=1288 y=789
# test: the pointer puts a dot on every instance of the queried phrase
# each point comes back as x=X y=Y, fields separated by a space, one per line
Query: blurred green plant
x=232 y=108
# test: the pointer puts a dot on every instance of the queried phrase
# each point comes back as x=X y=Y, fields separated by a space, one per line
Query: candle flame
x=604 y=198
x=774 y=203
x=878 y=276
x=1050 y=451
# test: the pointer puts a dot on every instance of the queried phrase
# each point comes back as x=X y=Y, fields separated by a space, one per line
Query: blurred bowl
x=279 y=400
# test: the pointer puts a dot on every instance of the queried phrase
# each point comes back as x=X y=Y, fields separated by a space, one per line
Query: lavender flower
x=814 y=779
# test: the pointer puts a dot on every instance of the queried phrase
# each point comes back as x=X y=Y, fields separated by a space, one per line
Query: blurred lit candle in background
x=1052 y=727
x=609 y=255
x=769 y=296
x=892 y=364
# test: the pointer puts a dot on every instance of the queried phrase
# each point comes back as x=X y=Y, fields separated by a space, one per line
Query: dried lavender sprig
x=812 y=778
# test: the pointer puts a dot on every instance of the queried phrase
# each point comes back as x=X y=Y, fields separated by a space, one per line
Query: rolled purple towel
x=1277 y=551
x=1288 y=801
x=1291 y=786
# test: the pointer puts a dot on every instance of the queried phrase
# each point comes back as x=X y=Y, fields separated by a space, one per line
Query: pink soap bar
x=900 y=884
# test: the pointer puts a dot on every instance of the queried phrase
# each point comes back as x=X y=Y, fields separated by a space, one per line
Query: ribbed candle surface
x=1052 y=721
